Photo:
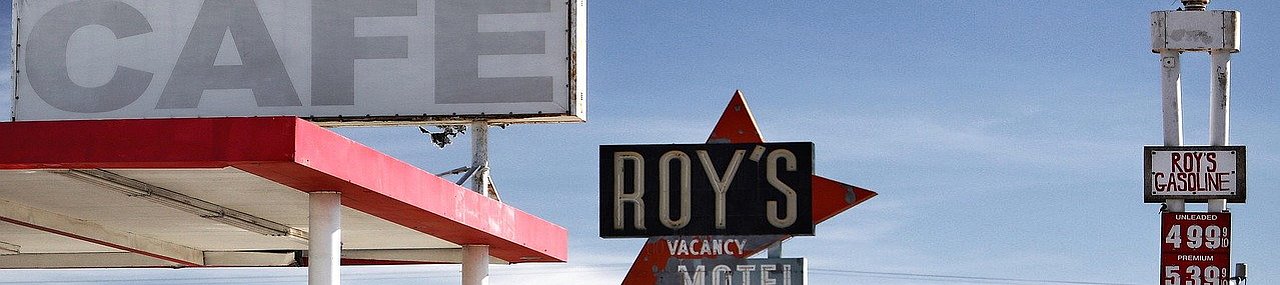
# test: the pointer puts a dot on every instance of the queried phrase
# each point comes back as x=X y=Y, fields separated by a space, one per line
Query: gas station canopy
x=233 y=192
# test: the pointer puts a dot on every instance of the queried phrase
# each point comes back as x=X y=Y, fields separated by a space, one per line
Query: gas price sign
x=1195 y=173
x=1195 y=248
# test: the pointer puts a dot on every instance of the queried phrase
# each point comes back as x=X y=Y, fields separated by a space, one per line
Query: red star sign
x=737 y=125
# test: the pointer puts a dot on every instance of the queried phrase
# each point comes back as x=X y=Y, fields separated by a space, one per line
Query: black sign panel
x=706 y=189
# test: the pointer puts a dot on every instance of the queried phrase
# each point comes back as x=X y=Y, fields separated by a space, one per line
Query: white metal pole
x=1220 y=109
x=1171 y=101
x=475 y=265
x=325 y=242
x=475 y=258
x=1175 y=205
x=1220 y=98
x=480 y=156
x=1171 y=96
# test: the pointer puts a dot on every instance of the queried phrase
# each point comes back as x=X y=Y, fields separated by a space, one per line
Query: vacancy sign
x=1195 y=173
x=1195 y=248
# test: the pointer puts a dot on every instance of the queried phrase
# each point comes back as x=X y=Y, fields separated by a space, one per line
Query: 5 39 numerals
x=1195 y=275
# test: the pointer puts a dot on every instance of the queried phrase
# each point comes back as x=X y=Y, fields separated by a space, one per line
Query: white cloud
x=874 y=137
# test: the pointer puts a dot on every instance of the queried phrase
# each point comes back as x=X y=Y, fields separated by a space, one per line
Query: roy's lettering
x=706 y=189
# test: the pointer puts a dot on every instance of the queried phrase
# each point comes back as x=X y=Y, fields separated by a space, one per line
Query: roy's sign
x=368 y=60
x=1195 y=173
x=706 y=189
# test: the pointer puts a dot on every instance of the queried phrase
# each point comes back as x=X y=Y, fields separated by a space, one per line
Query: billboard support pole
x=480 y=157
x=325 y=244
x=475 y=259
x=1220 y=109
x=1171 y=97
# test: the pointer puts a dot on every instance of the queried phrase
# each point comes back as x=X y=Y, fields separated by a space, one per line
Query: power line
x=362 y=276
x=905 y=275
x=372 y=276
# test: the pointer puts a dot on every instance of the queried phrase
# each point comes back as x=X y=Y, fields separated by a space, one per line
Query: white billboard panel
x=1195 y=30
x=356 y=62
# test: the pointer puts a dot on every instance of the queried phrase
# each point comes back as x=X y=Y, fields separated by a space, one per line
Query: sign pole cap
x=1194 y=5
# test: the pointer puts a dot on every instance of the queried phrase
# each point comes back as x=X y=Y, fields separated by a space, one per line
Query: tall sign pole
x=1195 y=247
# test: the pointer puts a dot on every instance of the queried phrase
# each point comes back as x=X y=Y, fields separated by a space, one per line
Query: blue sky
x=1003 y=136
